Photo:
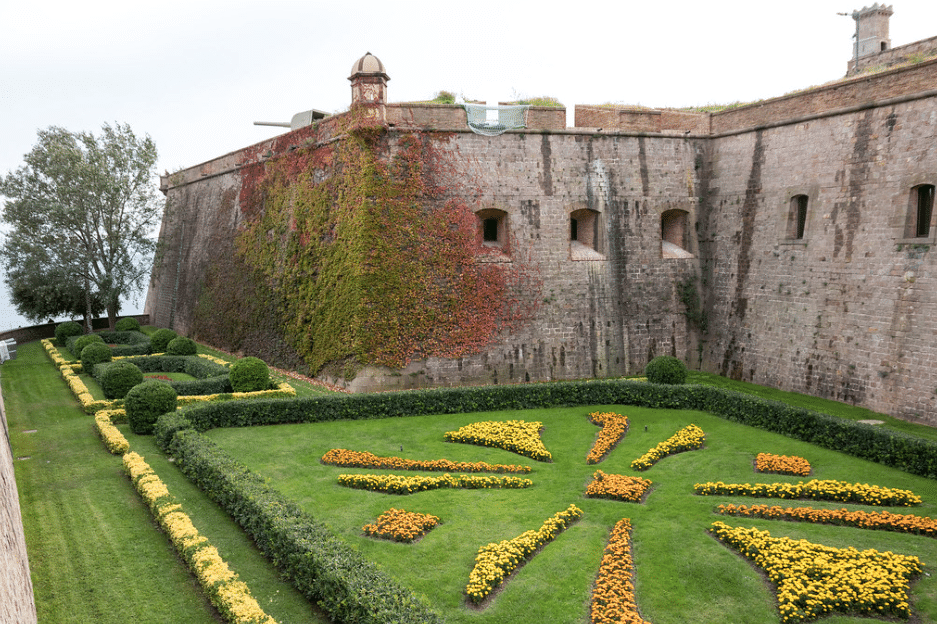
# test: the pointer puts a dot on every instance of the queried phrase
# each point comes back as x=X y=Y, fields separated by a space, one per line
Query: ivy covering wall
x=362 y=251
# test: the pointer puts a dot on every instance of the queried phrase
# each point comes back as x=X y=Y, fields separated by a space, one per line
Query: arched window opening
x=920 y=211
x=797 y=217
x=673 y=234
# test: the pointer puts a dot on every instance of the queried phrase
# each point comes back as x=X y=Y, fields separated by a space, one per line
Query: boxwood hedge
x=210 y=377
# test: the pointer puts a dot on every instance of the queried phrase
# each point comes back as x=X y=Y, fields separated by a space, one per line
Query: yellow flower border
x=516 y=436
x=875 y=520
x=815 y=489
x=690 y=438
x=813 y=580
x=613 y=598
x=496 y=561
x=614 y=427
x=365 y=459
x=411 y=484
x=230 y=596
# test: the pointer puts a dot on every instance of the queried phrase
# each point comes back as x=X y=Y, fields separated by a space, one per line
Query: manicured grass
x=95 y=552
x=683 y=575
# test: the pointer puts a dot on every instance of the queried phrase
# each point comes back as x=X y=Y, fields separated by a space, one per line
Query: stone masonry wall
x=603 y=316
x=849 y=312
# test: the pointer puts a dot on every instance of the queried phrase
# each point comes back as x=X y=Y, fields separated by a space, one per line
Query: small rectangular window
x=801 y=215
x=925 y=208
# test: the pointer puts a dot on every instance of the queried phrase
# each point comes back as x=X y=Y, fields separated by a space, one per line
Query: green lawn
x=683 y=575
x=95 y=552
x=97 y=556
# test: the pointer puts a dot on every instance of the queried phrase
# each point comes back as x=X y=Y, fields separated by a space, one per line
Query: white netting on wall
x=507 y=118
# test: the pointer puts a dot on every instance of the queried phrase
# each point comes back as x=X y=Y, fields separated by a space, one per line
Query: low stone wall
x=16 y=588
x=23 y=335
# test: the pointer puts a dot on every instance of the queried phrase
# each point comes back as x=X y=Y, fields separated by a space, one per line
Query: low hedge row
x=322 y=566
x=884 y=446
x=126 y=343
x=210 y=377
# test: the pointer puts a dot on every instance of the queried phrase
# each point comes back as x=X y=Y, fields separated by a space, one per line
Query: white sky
x=196 y=74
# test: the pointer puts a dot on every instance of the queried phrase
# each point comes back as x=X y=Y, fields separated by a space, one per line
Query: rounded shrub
x=665 y=369
x=181 y=346
x=64 y=331
x=128 y=323
x=249 y=374
x=118 y=378
x=94 y=353
x=83 y=341
x=161 y=339
x=146 y=402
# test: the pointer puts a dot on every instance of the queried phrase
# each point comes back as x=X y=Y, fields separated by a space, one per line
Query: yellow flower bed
x=400 y=525
x=364 y=459
x=517 y=436
x=613 y=600
x=495 y=562
x=689 y=438
x=782 y=464
x=618 y=487
x=283 y=389
x=881 y=520
x=410 y=484
x=230 y=596
x=614 y=427
x=113 y=439
x=815 y=489
x=814 y=580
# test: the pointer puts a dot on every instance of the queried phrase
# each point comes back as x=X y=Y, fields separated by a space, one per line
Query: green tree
x=81 y=212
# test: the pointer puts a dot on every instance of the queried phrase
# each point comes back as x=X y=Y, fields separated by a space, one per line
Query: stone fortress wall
x=843 y=309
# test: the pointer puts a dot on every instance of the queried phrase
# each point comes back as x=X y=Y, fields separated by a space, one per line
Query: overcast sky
x=195 y=75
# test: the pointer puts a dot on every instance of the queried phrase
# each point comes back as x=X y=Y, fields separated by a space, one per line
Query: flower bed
x=689 y=438
x=410 y=484
x=613 y=599
x=400 y=525
x=359 y=459
x=782 y=464
x=618 y=487
x=614 y=427
x=517 y=436
x=814 y=580
x=815 y=489
x=880 y=520
x=230 y=596
x=496 y=561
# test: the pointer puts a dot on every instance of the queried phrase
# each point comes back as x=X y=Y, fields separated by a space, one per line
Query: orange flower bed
x=618 y=487
x=614 y=427
x=400 y=525
x=358 y=459
x=880 y=520
x=782 y=464
x=613 y=600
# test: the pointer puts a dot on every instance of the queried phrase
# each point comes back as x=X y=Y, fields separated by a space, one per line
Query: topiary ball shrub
x=64 y=331
x=249 y=374
x=84 y=341
x=94 y=353
x=181 y=346
x=118 y=378
x=665 y=369
x=161 y=339
x=146 y=402
x=128 y=323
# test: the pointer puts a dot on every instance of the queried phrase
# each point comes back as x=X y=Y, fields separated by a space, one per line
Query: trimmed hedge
x=891 y=448
x=128 y=323
x=250 y=374
x=145 y=403
x=94 y=353
x=75 y=344
x=324 y=568
x=665 y=369
x=127 y=343
x=181 y=346
x=117 y=378
x=64 y=331
x=210 y=378
x=160 y=339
